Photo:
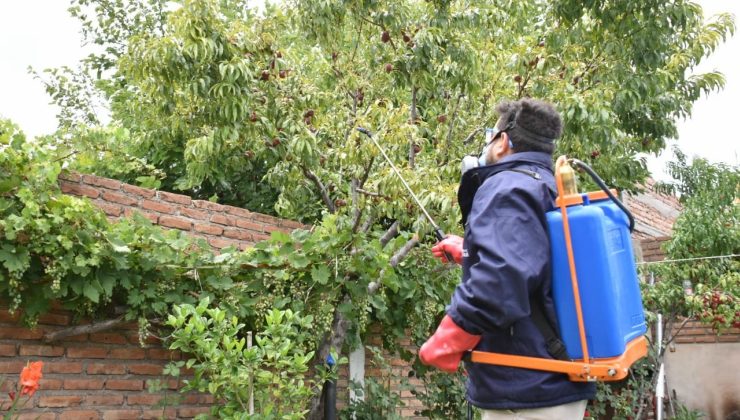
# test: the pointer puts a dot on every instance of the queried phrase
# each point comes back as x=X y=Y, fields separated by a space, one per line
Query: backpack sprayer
x=595 y=286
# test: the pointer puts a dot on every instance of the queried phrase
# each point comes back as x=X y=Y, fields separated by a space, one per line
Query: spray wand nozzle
x=438 y=232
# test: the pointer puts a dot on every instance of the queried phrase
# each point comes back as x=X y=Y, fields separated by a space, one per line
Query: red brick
x=141 y=192
x=175 y=222
x=70 y=176
x=127 y=353
x=144 y=399
x=251 y=225
x=125 y=384
x=62 y=367
x=145 y=369
x=121 y=414
x=6 y=316
x=158 y=206
x=77 y=384
x=193 y=213
x=266 y=219
x=79 y=415
x=245 y=245
x=20 y=333
x=237 y=234
x=208 y=228
x=8 y=350
x=202 y=204
x=120 y=198
x=104 y=400
x=13 y=367
x=163 y=354
x=60 y=401
x=195 y=399
x=87 y=352
x=111 y=184
x=223 y=220
x=167 y=413
x=292 y=224
x=36 y=416
x=54 y=319
x=78 y=189
x=258 y=238
x=174 y=198
x=109 y=209
x=153 y=217
x=728 y=338
x=48 y=384
x=238 y=211
x=189 y=412
x=273 y=228
x=105 y=369
x=172 y=384
x=40 y=350
x=108 y=338
x=220 y=243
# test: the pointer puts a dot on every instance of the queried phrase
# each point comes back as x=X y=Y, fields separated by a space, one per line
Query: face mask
x=469 y=162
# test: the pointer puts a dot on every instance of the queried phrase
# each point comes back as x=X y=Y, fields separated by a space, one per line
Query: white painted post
x=251 y=379
x=357 y=371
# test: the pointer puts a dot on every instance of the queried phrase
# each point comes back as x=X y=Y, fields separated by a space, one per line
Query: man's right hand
x=452 y=245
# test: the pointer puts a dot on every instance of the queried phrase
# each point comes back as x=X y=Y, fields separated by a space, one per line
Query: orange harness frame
x=581 y=370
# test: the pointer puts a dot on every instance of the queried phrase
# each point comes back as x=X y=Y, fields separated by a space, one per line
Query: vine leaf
x=320 y=274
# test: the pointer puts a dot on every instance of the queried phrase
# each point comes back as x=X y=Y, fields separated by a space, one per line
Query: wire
x=689 y=259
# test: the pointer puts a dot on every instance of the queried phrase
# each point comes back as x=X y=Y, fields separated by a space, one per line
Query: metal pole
x=251 y=379
x=438 y=232
x=660 y=383
x=330 y=393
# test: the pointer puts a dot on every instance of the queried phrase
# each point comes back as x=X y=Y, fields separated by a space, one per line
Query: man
x=506 y=278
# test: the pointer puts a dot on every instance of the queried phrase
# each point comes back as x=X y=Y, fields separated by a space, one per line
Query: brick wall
x=91 y=376
x=105 y=375
x=220 y=225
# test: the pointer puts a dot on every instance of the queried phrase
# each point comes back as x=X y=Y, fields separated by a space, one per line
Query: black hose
x=606 y=189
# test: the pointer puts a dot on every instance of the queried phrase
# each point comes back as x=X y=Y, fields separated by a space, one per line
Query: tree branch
x=83 y=329
x=324 y=193
x=373 y=194
x=356 y=209
x=366 y=175
x=471 y=135
x=412 y=116
x=389 y=234
x=353 y=116
x=448 y=142
x=404 y=251
x=395 y=260
x=368 y=224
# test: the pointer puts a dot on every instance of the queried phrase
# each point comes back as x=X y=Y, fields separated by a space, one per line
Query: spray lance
x=438 y=232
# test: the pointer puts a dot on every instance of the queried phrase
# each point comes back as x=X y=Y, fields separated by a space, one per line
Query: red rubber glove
x=446 y=347
x=453 y=245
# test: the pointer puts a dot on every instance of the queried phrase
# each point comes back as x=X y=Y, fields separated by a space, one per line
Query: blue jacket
x=506 y=264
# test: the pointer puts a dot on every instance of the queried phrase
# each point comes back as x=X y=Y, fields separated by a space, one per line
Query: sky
x=41 y=34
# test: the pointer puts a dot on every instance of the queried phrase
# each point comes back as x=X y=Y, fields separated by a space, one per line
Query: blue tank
x=607 y=279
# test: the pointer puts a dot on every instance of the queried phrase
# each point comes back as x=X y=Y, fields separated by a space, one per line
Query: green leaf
x=91 y=292
x=298 y=260
x=320 y=274
x=119 y=246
